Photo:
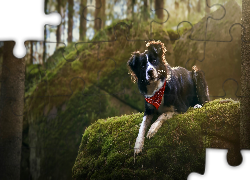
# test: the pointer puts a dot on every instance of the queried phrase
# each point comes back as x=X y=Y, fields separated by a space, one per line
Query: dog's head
x=149 y=68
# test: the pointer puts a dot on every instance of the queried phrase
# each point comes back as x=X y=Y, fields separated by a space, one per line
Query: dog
x=167 y=90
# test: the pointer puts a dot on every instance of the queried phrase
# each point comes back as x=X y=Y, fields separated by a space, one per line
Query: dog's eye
x=154 y=61
x=142 y=67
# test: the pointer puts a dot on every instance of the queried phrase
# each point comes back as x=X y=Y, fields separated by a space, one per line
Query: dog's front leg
x=141 y=135
x=157 y=124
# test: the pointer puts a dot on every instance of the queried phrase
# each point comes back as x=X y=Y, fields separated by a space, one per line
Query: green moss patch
x=177 y=149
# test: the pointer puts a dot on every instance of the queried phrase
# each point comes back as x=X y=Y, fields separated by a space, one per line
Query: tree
x=59 y=27
x=145 y=10
x=188 y=7
x=31 y=52
x=131 y=4
x=100 y=16
x=83 y=21
x=45 y=33
x=199 y=6
x=245 y=76
x=70 y=20
x=207 y=9
x=159 y=5
x=176 y=5
x=11 y=110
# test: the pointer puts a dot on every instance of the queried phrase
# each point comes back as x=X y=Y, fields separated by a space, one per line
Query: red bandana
x=155 y=100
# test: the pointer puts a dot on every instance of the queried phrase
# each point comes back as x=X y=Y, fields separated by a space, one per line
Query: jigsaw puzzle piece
x=218 y=29
x=219 y=68
x=223 y=127
x=185 y=19
x=42 y=79
x=217 y=167
x=34 y=31
x=223 y=79
x=7 y=74
x=212 y=21
x=42 y=64
x=200 y=33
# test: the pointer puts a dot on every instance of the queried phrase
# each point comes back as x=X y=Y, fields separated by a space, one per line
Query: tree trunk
x=70 y=20
x=159 y=4
x=207 y=9
x=245 y=77
x=103 y=13
x=199 y=6
x=45 y=34
x=100 y=14
x=176 y=5
x=31 y=52
x=59 y=27
x=83 y=21
x=11 y=111
x=130 y=11
x=145 y=10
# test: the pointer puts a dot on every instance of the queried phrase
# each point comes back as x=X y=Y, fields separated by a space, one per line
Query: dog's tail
x=200 y=84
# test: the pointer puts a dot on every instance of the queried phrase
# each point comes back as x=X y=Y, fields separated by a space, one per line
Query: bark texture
x=70 y=20
x=45 y=34
x=100 y=14
x=11 y=111
x=59 y=27
x=245 y=76
x=83 y=21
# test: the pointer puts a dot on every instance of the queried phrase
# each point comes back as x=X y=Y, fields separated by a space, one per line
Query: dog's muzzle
x=151 y=75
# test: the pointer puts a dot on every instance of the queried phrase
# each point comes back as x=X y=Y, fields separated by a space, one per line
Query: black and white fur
x=184 y=88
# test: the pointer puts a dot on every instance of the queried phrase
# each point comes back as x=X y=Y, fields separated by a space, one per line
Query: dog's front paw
x=197 y=106
x=138 y=145
x=137 y=150
x=154 y=128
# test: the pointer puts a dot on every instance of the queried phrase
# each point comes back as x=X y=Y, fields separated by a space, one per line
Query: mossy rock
x=177 y=149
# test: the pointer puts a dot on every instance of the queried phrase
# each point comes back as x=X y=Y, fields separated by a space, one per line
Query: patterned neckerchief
x=155 y=100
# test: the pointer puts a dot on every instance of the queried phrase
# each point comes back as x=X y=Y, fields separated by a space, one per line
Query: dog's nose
x=150 y=73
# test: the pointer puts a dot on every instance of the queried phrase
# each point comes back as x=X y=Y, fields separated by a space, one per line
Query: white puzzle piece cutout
x=217 y=167
x=24 y=20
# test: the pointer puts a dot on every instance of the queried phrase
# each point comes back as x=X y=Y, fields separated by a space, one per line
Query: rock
x=222 y=59
x=177 y=149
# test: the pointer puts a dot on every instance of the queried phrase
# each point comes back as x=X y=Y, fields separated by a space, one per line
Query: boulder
x=219 y=56
x=177 y=149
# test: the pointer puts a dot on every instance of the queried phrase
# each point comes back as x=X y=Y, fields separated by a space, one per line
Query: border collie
x=167 y=90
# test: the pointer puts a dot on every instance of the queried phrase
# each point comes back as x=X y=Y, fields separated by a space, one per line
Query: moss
x=173 y=35
x=76 y=65
x=178 y=148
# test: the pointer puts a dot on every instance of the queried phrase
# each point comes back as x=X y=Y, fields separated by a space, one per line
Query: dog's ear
x=134 y=60
x=155 y=48
x=133 y=63
x=158 y=48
